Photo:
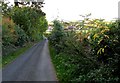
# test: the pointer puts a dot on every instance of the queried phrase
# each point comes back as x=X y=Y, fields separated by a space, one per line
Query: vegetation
x=13 y=55
x=89 y=53
x=21 y=26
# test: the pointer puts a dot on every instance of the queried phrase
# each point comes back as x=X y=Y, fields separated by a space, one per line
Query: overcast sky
x=71 y=9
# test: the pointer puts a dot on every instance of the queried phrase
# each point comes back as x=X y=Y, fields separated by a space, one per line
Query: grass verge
x=13 y=55
x=64 y=69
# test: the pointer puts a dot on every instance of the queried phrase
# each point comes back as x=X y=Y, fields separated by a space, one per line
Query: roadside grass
x=64 y=69
x=13 y=55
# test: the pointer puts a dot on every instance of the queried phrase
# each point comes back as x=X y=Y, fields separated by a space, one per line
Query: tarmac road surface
x=34 y=65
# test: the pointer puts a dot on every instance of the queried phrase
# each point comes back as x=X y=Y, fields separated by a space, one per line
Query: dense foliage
x=57 y=36
x=29 y=19
x=88 y=54
x=21 y=25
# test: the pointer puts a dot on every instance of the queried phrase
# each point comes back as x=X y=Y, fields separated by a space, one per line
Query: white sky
x=70 y=10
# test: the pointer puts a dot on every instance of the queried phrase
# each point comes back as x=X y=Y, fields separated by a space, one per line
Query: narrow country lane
x=33 y=65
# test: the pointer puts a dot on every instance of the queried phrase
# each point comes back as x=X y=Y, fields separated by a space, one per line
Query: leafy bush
x=30 y=20
x=22 y=36
x=9 y=35
x=101 y=75
x=57 y=35
x=92 y=54
x=21 y=25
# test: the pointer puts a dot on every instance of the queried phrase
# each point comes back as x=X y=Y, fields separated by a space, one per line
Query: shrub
x=9 y=35
x=22 y=36
x=84 y=59
x=57 y=35
x=31 y=21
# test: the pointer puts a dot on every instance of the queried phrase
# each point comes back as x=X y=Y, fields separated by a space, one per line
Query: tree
x=37 y=4
x=31 y=20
